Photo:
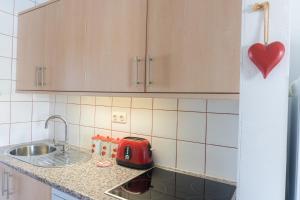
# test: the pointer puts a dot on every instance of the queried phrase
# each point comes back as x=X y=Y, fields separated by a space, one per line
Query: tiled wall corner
x=188 y=134
x=22 y=116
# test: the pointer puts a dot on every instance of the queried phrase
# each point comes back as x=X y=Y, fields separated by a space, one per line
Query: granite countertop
x=81 y=180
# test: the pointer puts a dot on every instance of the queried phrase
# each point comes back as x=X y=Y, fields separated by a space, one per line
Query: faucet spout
x=65 y=146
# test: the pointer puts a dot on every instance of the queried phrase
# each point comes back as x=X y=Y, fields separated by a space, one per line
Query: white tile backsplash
x=221 y=162
x=103 y=117
x=40 y=111
x=164 y=152
x=104 y=101
x=223 y=106
x=41 y=97
x=6 y=46
x=59 y=128
x=145 y=103
x=14 y=46
x=20 y=133
x=5 y=90
x=180 y=135
x=141 y=121
x=6 y=21
x=119 y=134
x=74 y=138
x=165 y=124
x=19 y=96
x=87 y=116
x=39 y=132
x=21 y=111
x=88 y=100
x=194 y=105
x=4 y=133
x=85 y=135
x=104 y=132
x=61 y=98
x=74 y=99
x=5 y=112
x=222 y=129
x=5 y=67
x=191 y=157
x=73 y=113
x=121 y=102
x=60 y=109
x=192 y=126
x=7 y=6
x=15 y=32
x=165 y=104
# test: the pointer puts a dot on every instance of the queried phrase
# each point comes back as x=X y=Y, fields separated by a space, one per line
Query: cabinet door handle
x=137 y=60
x=37 y=76
x=43 y=71
x=150 y=60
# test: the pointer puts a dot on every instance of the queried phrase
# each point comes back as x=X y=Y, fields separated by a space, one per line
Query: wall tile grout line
x=205 y=142
x=176 y=154
x=10 y=91
x=185 y=111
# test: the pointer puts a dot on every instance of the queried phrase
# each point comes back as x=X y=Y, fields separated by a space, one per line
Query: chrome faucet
x=65 y=145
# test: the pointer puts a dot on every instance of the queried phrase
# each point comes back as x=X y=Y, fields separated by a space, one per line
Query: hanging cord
x=266 y=8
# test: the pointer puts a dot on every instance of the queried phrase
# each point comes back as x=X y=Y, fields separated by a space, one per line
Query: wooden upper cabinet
x=115 y=37
x=30 y=51
x=68 y=70
x=133 y=46
x=194 y=46
x=37 y=48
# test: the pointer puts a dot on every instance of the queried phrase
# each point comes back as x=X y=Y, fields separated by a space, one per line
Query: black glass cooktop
x=160 y=184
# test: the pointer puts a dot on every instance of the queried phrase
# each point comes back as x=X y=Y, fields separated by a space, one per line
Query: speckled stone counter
x=82 y=180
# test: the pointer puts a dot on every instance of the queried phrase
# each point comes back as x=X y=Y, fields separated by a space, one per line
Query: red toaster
x=134 y=152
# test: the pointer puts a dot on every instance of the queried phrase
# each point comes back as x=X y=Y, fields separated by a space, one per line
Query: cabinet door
x=21 y=186
x=194 y=46
x=115 y=38
x=51 y=42
x=30 y=53
x=26 y=188
x=67 y=69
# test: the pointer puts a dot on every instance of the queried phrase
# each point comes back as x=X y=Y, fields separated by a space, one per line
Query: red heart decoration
x=266 y=57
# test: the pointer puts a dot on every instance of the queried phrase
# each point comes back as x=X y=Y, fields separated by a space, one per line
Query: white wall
x=295 y=41
x=263 y=110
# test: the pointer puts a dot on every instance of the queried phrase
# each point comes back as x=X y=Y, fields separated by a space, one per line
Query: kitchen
x=115 y=68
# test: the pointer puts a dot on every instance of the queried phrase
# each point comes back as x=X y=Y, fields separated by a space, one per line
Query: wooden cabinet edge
x=233 y=96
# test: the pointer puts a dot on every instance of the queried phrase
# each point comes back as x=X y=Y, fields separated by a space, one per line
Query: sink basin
x=45 y=154
x=32 y=150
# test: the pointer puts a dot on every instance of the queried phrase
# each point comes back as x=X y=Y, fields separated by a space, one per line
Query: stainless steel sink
x=45 y=154
x=32 y=150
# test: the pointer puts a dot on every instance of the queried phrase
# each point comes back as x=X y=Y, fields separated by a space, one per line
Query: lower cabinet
x=16 y=186
x=58 y=195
